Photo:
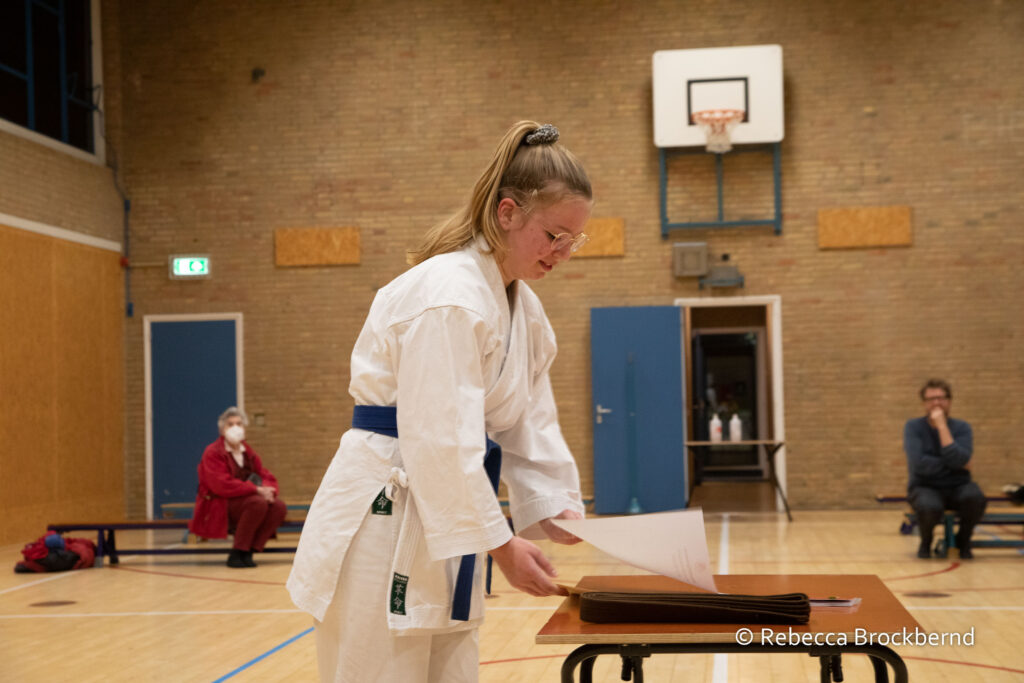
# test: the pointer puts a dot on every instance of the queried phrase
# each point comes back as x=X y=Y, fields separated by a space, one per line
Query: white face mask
x=235 y=433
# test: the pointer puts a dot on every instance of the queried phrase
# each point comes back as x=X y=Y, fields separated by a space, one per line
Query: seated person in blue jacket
x=939 y=450
x=236 y=491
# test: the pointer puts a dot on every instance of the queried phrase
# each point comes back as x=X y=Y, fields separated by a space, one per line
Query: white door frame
x=773 y=304
x=147 y=346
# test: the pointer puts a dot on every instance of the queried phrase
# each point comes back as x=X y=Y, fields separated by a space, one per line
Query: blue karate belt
x=383 y=420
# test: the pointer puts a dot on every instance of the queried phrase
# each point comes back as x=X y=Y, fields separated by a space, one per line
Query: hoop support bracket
x=775 y=221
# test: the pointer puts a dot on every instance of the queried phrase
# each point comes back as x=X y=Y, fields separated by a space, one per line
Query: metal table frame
x=830 y=658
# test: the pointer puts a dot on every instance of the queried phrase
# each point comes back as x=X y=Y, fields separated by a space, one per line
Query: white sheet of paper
x=670 y=543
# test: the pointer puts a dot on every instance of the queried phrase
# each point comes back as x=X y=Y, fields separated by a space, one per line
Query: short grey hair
x=233 y=411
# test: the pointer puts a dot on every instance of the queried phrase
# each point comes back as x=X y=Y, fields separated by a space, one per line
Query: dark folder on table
x=622 y=607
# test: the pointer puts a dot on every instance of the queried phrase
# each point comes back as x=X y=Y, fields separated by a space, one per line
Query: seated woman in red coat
x=236 y=491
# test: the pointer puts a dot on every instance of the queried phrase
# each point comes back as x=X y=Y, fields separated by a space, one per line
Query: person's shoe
x=966 y=554
x=247 y=558
x=924 y=551
x=236 y=560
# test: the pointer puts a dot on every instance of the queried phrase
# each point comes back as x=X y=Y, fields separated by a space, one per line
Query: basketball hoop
x=717 y=124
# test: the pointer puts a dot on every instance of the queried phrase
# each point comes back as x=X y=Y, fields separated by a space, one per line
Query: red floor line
x=955 y=565
x=193 y=576
x=977 y=664
x=523 y=659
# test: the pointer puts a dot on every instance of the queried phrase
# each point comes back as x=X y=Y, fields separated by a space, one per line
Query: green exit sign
x=190 y=267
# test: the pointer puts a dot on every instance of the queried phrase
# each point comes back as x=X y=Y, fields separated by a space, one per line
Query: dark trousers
x=930 y=504
x=254 y=520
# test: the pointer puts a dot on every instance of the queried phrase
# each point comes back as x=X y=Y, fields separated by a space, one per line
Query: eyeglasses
x=561 y=240
x=929 y=399
x=567 y=239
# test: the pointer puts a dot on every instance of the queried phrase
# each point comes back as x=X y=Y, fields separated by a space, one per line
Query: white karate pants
x=353 y=641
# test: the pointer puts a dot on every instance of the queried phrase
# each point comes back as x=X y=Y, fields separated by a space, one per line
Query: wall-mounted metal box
x=689 y=259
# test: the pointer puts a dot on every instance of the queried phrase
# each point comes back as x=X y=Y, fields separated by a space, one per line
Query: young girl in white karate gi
x=453 y=353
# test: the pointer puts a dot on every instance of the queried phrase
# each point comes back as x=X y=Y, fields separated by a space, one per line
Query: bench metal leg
x=947 y=525
x=99 y=548
x=111 y=546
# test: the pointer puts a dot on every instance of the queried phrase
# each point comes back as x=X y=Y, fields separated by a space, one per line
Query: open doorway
x=729 y=383
x=733 y=366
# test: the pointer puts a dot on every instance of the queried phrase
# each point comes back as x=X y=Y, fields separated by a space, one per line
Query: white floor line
x=35 y=583
x=720 y=665
x=148 y=614
x=723 y=545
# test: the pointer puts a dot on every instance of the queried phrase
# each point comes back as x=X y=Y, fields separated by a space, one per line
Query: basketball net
x=717 y=125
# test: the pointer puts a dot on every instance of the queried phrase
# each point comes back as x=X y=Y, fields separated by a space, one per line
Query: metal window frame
x=97 y=155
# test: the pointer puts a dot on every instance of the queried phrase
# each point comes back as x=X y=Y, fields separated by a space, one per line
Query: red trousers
x=254 y=520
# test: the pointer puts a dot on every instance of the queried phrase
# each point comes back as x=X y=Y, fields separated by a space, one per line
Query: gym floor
x=190 y=618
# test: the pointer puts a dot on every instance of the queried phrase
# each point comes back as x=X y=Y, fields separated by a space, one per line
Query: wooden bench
x=950 y=519
x=902 y=498
x=106 y=538
x=185 y=510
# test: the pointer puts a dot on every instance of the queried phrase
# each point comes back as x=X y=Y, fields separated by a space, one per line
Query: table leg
x=587 y=670
x=880 y=656
x=881 y=671
x=837 y=668
x=830 y=667
x=585 y=655
x=632 y=668
x=638 y=669
x=771 y=450
x=824 y=669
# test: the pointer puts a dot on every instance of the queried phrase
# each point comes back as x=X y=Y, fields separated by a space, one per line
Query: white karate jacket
x=439 y=344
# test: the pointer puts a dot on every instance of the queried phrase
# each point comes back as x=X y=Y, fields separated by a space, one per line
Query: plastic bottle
x=735 y=428
x=716 y=429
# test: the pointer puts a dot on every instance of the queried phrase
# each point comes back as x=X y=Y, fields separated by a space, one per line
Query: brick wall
x=51 y=187
x=380 y=115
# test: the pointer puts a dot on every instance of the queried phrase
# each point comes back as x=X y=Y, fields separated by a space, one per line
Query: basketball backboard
x=747 y=78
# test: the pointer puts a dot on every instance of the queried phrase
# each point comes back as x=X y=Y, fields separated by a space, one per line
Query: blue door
x=193 y=379
x=639 y=441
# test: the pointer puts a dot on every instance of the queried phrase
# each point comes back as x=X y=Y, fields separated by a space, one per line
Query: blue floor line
x=264 y=655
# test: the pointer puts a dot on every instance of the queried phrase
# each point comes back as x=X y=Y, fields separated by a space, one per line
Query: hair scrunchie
x=545 y=135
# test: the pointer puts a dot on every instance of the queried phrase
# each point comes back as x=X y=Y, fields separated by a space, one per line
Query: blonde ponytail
x=530 y=167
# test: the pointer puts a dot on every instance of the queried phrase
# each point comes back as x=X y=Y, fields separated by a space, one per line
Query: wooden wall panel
x=83 y=326
x=607 y=238
x=316 y=246
x=879 y=226
x=61 y=383
x=111 y=310
x=27 y=378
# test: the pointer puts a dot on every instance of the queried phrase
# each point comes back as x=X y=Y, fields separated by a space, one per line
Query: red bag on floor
x=85 y=549
x=51 y=553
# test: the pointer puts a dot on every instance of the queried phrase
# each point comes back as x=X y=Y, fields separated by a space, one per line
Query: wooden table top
x=879 y=610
